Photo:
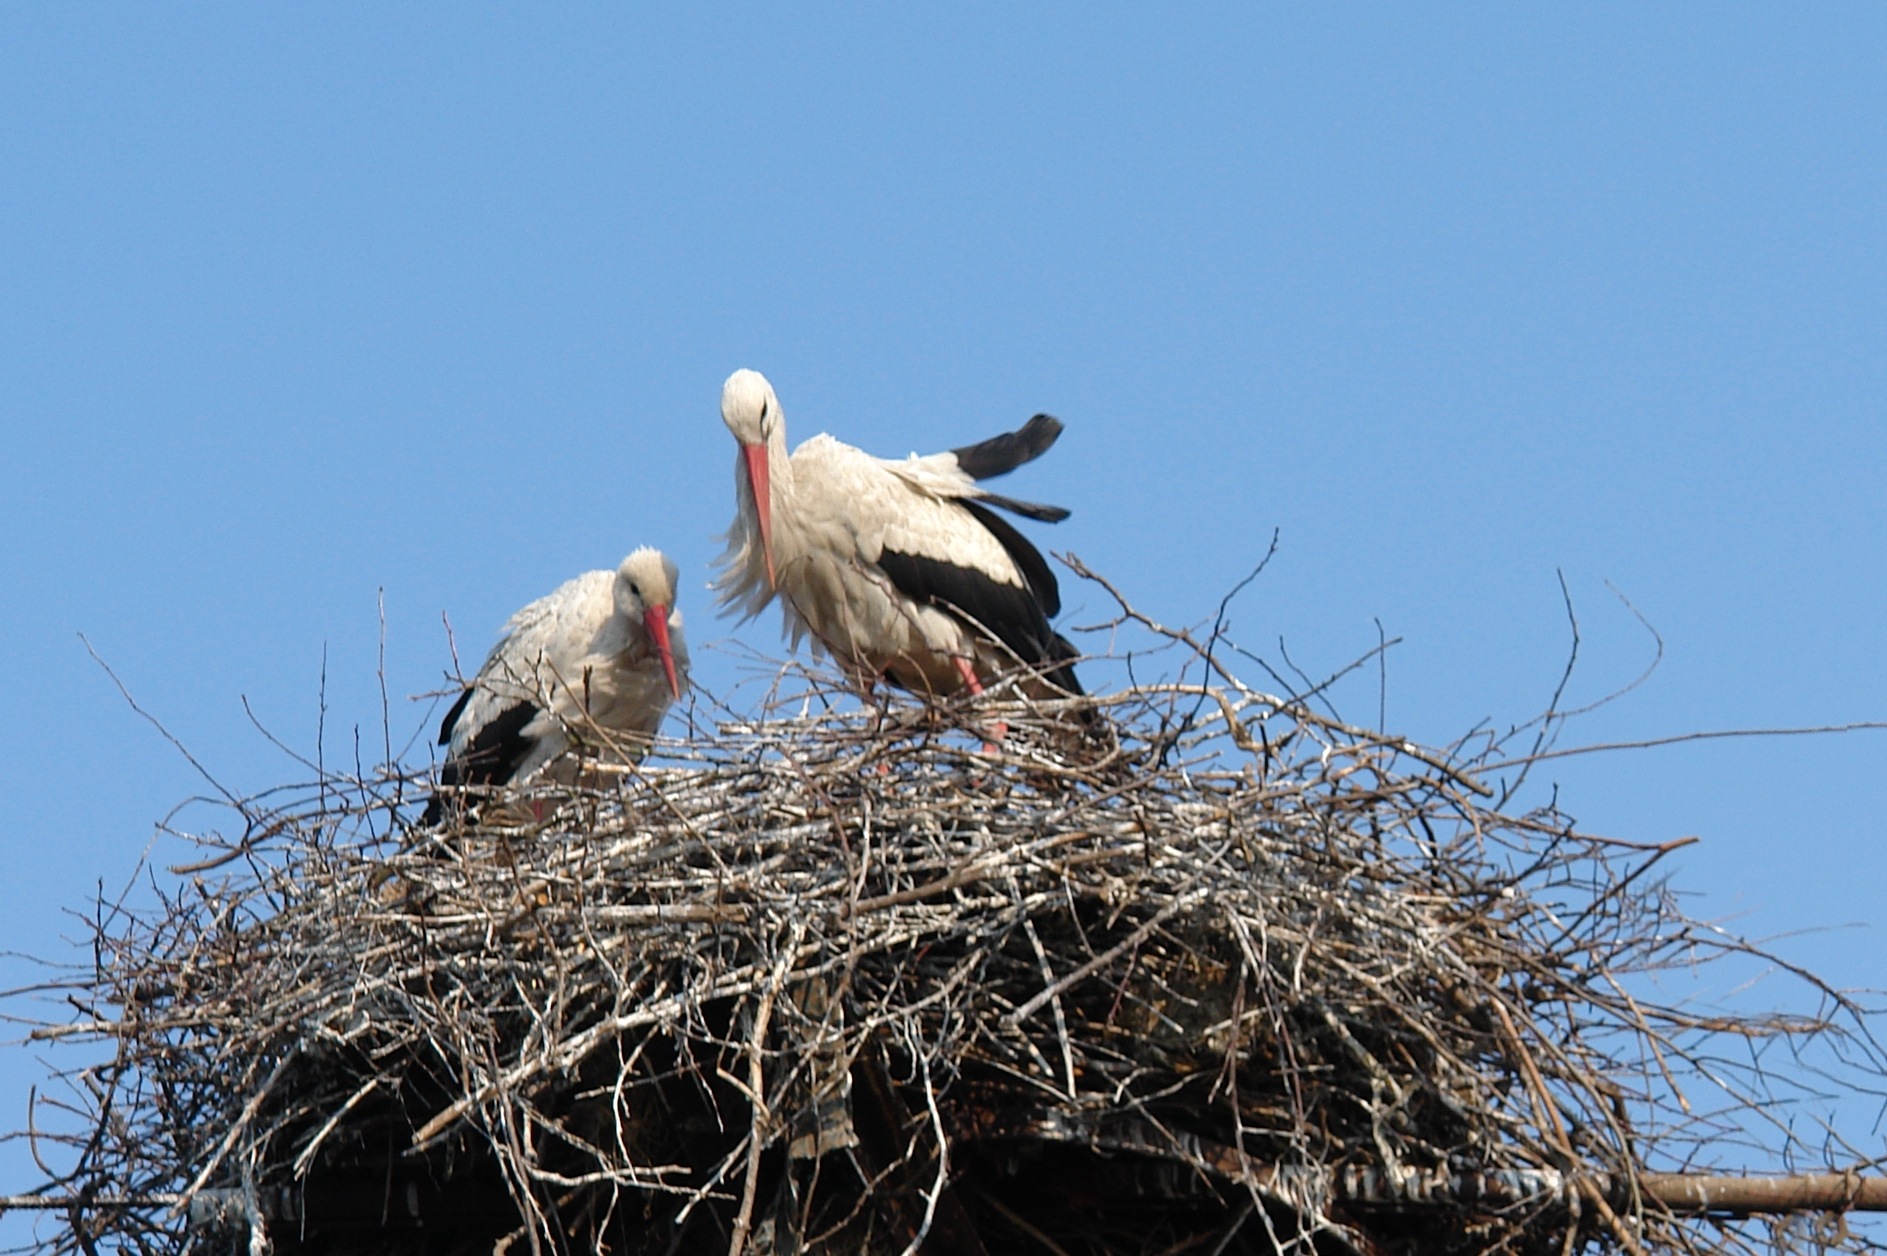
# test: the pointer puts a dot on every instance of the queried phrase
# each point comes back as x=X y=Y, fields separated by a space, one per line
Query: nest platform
x=1235 y=978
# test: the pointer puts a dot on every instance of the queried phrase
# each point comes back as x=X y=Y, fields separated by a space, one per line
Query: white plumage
x=605 y=649
x=896 y=569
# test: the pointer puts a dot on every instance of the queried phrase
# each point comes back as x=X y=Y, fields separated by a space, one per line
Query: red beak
x=756 y=456
x=656 y=619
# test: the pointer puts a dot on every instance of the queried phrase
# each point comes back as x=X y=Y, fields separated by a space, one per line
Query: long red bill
x=756 y=456
x=656 y=617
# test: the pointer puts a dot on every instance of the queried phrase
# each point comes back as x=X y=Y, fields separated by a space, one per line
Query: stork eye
x=634 y=590
x=763 y=410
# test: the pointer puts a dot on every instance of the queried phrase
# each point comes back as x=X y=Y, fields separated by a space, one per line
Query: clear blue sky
x=300 y=304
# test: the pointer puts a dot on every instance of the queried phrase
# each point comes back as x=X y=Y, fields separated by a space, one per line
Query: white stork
x=896 y=569
x=606 y=648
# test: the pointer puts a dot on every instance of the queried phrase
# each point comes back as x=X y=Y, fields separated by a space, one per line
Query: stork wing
x=946 y=478
x=494 y=751
x=451 y=721
x=966 y=576
x=488 y=757
x=1063 y=651
x=1028 y=510
x=999 y=455
x=924 y=524
x=1028 y=560
x=485 y=727
x=1009 y=612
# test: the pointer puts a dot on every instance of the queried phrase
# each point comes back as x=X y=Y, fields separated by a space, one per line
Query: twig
x=154 y=722
x=1649 y=743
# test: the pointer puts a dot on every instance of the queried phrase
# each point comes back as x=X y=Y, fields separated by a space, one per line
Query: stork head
x=645 y=594
x=752 y=413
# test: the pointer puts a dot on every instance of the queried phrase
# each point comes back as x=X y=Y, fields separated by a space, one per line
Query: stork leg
x=975 y=686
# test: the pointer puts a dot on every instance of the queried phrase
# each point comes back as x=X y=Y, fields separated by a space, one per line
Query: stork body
x=606 y=648
x=900 y=569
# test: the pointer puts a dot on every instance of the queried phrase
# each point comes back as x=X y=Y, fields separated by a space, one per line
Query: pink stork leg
x=975 y=687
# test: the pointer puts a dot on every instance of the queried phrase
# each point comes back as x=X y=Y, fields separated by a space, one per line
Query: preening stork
x=606 y=648
x=896 y=569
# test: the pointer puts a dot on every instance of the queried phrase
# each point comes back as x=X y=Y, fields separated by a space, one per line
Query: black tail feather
x=1062 y=652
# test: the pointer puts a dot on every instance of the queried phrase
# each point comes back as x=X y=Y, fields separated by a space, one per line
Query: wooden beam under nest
x=402 y=1200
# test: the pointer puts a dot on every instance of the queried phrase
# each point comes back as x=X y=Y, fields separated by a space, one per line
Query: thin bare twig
x=1300 y=960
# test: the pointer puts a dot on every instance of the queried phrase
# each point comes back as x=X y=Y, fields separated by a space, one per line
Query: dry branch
x=1239 y=978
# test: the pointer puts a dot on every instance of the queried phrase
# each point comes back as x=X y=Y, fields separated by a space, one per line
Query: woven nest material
x=1240 y=978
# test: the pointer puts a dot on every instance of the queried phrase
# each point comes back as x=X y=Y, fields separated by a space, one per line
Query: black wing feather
x=1047 y=594
x=451 y=720
x=999 y=455
x=1028 y=560
x=489 y=759
x=495 y=750
x=1028 y=510
x=1017 y=616
x=1011 y=613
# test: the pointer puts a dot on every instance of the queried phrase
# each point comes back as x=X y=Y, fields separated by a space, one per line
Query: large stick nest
x=842 y=981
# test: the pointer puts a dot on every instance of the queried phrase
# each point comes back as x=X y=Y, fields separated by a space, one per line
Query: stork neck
x=779 y=473
x=779 y=463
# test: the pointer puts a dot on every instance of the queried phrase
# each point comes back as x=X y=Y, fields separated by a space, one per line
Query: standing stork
x=896 y=569
x=606 y=647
